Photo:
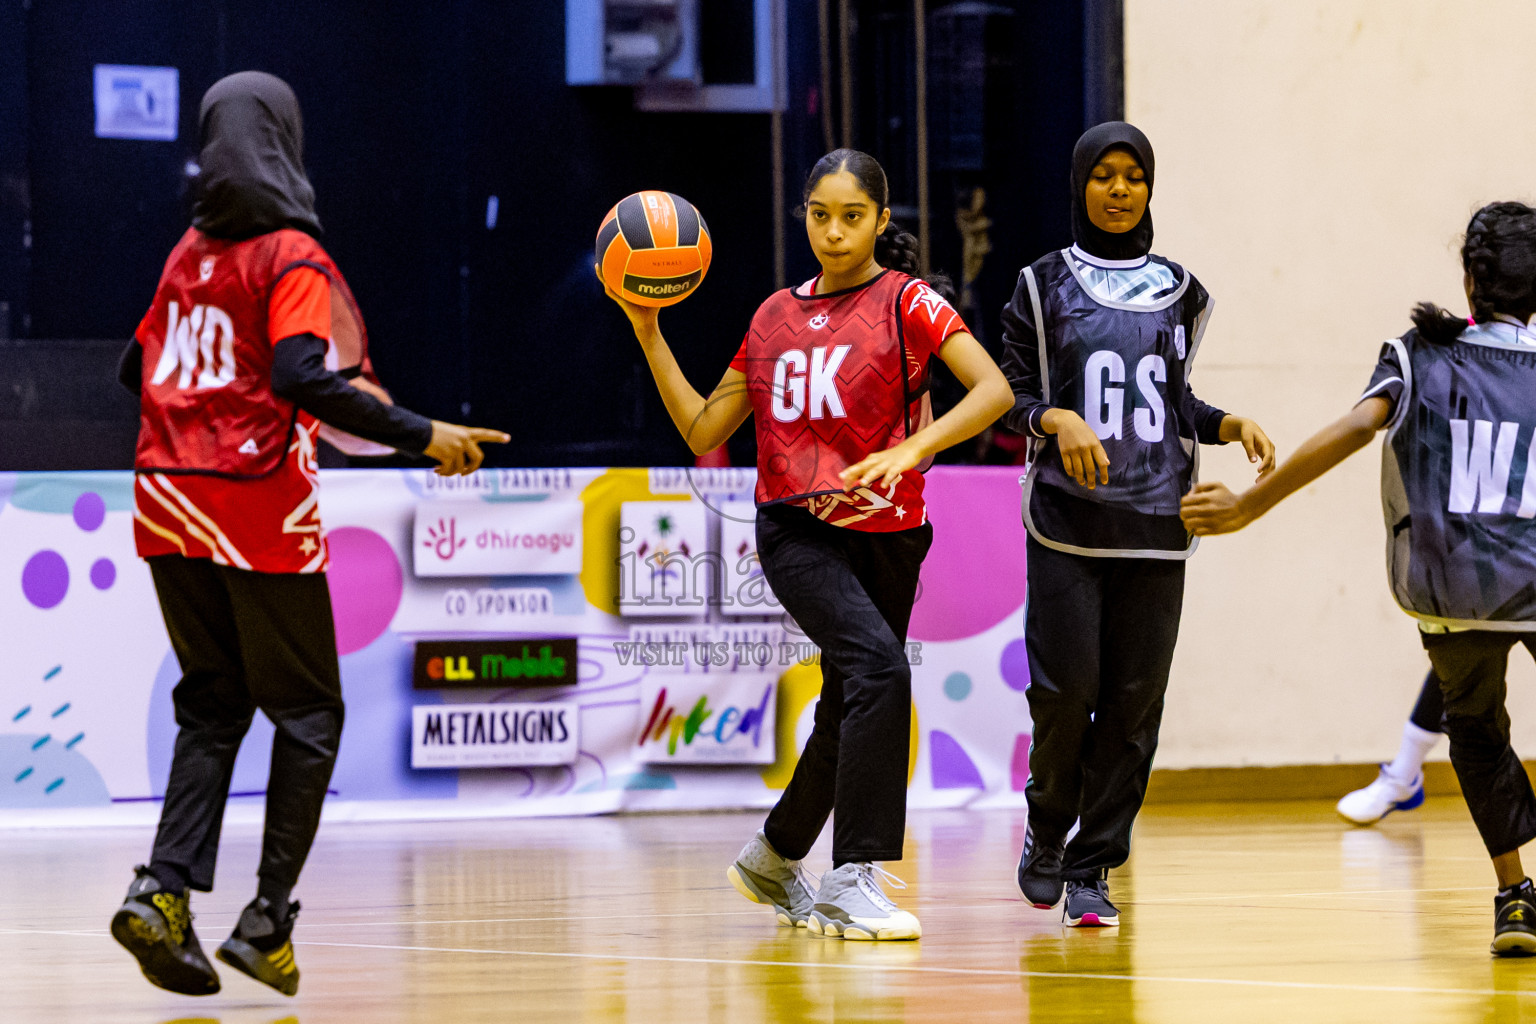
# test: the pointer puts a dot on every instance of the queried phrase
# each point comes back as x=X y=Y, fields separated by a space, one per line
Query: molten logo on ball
x=653 y=248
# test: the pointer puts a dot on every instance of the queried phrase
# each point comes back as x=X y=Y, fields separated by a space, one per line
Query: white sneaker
x=851 y=903
x=762 y=876
x=1369 y=805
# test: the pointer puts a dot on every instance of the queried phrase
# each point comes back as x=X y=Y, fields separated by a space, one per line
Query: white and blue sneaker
x=762 y=876
x=851 y=903
x=1369 y=805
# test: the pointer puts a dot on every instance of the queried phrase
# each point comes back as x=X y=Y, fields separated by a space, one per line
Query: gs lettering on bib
x=835 y=377
x=1123 y=368
x=1458 y=480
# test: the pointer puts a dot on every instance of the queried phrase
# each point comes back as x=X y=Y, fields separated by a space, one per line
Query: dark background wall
x=414 y=116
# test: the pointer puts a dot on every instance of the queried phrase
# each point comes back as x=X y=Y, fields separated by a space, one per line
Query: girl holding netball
x=229 y=365
x=1098 y=344
x=1458 y=490
x=833 y=372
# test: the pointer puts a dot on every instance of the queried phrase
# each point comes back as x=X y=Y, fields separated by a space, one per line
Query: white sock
x=1417 y=743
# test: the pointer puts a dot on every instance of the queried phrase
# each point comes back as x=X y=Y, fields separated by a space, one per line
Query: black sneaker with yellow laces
x=262 y=945
x=155 y=925
x=1514 y=921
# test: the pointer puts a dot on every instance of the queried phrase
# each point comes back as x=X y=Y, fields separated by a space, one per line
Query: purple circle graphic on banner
x=90 y=511
x=1015 y=666
x=103 y=573
x=45 y=579
x=366 y=586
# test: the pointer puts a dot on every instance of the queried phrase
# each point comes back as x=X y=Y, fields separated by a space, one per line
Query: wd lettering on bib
x=207 y=330
x=201 y=343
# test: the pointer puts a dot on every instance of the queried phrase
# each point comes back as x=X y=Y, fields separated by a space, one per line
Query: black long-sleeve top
x=299 y=376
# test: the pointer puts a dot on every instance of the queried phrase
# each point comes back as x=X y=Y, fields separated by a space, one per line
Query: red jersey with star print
x=835 y=377
x=226 y=469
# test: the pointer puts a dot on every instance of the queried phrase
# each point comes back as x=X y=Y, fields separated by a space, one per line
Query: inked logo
x=666 y=723
x=443 y=540
x=818 y=321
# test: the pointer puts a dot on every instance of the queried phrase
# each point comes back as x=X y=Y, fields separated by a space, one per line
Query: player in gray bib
x=1458 y=493
x=1098 y=341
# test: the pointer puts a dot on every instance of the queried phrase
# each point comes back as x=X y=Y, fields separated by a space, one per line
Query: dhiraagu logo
x=443 y=539
x=721 y=719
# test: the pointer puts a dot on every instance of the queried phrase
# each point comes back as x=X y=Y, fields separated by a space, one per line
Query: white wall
x=1316 y=165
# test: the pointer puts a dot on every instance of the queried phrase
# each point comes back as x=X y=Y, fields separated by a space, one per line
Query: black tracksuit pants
x=246 y=641
x=1100 y=634
x=851 y=592
x=1471 y=669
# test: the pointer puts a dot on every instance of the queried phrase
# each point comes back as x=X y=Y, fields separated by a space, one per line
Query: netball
x=653 y=248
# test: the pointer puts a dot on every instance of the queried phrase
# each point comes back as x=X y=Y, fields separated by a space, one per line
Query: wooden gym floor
x=1233 y=912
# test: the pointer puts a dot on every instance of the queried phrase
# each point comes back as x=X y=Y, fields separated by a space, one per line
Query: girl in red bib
x=235 y=368
x=835 y=373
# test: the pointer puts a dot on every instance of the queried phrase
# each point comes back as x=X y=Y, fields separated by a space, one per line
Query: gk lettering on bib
x=834 y=378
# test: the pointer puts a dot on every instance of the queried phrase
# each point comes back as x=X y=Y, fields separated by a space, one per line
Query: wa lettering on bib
x=1458 y=486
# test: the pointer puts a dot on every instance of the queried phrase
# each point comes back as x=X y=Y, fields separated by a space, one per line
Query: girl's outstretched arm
x=1212 y=508
x=705 y=423
x=987 y=397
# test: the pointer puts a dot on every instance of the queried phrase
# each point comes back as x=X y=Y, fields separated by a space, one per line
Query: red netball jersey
x=226 y=469
x=835 y=377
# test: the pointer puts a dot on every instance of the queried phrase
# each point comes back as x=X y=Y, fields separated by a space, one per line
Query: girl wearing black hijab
x=230 y=366
x=1098 y=342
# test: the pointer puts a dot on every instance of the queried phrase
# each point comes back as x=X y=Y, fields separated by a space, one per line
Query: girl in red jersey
x=834 y=373
x=230 y=366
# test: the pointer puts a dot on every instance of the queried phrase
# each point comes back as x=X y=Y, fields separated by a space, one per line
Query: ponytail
x=897 y=249
x=1435 y=325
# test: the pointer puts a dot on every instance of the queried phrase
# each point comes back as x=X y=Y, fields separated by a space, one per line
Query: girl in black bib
x=1098 y=342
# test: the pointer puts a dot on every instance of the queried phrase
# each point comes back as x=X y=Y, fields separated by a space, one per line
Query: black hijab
x=1107 y=245
x=252 y=163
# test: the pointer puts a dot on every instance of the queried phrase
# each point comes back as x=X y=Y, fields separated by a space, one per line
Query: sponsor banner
x=719 y=719
x=665 y=565
x=489 y=664
x=497 y=538
x=745 y=591
x=493 y=735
